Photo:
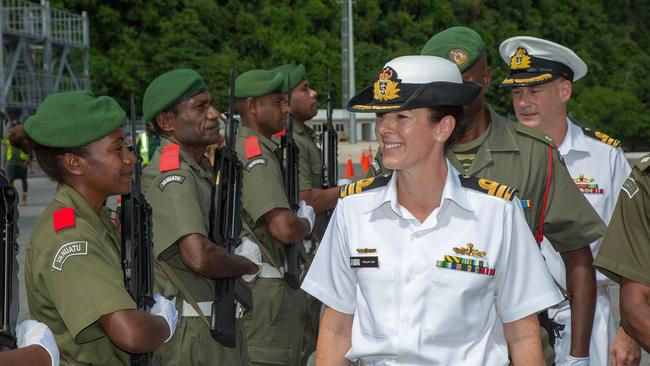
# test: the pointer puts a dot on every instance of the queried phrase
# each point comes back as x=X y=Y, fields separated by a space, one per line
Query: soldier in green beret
x=73 y=272
x=304 y=107
x=496 y=148
x=178 y=184
x=624 y=255
x=274 y=326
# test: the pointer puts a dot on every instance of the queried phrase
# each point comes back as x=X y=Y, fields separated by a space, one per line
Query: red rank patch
x=281 y=133
x=170 y=158
x=64 y=218
x=252 y=147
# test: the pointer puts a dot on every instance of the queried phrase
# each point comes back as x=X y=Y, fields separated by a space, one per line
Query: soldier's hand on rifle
x=251 y=251
x=167 y=311
x=30 y=332
x=306 y=212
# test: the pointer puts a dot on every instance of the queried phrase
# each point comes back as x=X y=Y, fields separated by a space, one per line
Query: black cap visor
x=413 y=96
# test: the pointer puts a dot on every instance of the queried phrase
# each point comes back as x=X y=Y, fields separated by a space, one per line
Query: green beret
x=171 y=88
x=255 y=83
x=460 y=45
x=73 y=119
x=295 y=73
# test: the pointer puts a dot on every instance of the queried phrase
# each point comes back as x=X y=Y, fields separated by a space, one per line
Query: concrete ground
x=41 y=191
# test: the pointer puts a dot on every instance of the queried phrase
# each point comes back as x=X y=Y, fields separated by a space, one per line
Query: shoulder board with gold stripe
x=531 y=132
x=601 y=137
x=363 y=185
x=488 y=186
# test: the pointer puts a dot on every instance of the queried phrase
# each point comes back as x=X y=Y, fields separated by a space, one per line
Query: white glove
x=167 y=310
x=249 y=250
x=575 y=361
x=344 y=181
x=30 y=332
x=306 y=212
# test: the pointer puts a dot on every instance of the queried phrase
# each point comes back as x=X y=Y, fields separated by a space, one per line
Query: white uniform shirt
x=408 y=311
x=587 y=157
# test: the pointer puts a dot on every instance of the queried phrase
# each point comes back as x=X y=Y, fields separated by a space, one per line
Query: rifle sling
x=176 y=281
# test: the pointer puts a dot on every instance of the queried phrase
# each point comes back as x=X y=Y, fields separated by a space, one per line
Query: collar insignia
x=587 y=185
x=366 y=250
x=458 y=56
x=468 y=249
x=387 y=85
x=520 y=60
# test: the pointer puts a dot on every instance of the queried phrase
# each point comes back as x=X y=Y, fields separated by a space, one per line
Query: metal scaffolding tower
x=44 y=51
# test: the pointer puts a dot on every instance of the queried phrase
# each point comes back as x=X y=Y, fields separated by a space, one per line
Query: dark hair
x=438 y=113
x=174 y=110
x=49 y=158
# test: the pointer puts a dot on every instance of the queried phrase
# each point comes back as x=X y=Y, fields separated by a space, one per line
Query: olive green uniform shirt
x=262 y=191
x=518 y=156
x=180 y=203
x=73 y=277
x=625 y=251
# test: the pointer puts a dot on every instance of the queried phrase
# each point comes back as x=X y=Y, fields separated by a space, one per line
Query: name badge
x=364 y=262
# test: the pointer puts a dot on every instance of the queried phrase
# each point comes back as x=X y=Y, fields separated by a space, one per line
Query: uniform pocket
x=458 y=304
x=376 y=301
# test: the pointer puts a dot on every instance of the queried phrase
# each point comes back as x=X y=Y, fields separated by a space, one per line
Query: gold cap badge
x=458 y=56
x=520 y=60
x=386 y=87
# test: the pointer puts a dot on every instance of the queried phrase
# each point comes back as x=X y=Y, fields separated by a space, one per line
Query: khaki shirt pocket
x=377 y=301
x=458 y=304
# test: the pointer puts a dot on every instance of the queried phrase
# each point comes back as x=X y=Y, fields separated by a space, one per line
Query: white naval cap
x=534 y=61
x=409 y=82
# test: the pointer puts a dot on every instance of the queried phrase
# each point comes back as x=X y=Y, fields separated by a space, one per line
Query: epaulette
x=252 y=147
x=488 y=186
x=64 y=218
x=601 y=137
x=363 y=185
x=170 y=158
x=644 y=163
x=525 y=130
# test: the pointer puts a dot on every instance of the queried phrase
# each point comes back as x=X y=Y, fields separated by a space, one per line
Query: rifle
x=137 y=244
x=225 y=227
x=7 y=214
x=292 y=253
x=329 y=145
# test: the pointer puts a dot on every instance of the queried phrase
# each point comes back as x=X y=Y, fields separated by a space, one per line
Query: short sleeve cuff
x=533 y=306
x=91 y=315
x=263 y=209
x=326 y=297
x=615 y=271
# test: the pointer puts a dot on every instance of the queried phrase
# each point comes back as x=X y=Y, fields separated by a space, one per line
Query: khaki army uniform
x=625 y=251
x=274 y=326
x=180 y=202
x=518 y=156
x=310 y=168
x=74 y=276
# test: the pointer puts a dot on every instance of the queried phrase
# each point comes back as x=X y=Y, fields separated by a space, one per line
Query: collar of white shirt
x=453 y=193
x=574 y=139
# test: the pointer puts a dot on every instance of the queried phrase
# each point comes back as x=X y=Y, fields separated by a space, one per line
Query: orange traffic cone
x=349 y=170
x=365 y=162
